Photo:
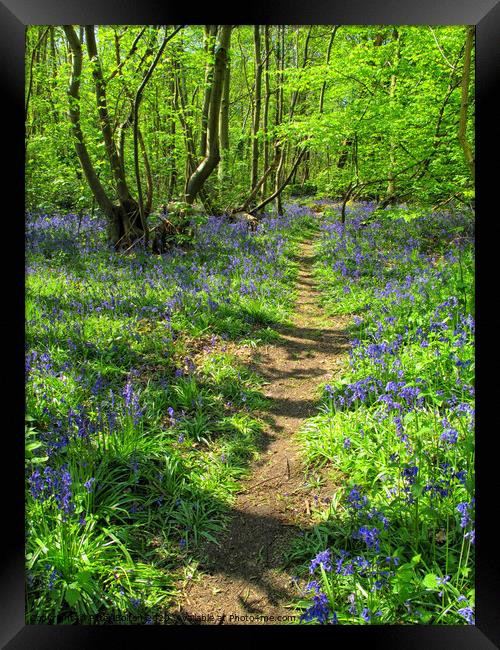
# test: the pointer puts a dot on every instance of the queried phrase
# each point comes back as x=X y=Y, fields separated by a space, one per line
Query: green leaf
x=38 y=541
x=430 y=582
x=72 y=594
x=425 y=616
x=417 y=490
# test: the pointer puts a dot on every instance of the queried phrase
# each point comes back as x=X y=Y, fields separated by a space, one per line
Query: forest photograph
x=249 y=324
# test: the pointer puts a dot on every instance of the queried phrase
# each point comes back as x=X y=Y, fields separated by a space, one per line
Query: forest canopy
x=125 y=120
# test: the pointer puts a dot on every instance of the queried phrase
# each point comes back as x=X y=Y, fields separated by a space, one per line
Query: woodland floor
x=244 y=575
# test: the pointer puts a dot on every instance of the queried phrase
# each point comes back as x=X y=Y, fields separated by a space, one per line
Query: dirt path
x=243 y=577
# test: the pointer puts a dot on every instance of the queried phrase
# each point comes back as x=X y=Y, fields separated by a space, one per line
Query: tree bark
x=181 y=108
x=116 y=165
x=123 y=226
x=224 y=122
x=74 y=116
x=462 y=128
x=278 y=190
x=328 y=54
x=143 y=213
x=211 y=160
x=267 y=96
x=391 y=184
x=280 y=65
x=256 y=106
x=210 y=34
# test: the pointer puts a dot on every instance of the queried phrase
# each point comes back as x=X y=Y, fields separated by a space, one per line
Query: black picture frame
x=485 y=14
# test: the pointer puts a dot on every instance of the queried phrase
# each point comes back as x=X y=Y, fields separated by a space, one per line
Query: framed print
x=213 y=217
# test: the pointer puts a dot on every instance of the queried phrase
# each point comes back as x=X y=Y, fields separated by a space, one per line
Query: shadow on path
x=244 y=574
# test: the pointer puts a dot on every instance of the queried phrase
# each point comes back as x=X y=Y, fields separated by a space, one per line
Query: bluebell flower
x=468 y=614
x=88 y=484
x=464 y=508
x=52 y=578
x=313 y=585
x=369 y=535
x=355 y=500
x=322 y=559
x=450 y=436
x=171 y=415
x=318 y=610
x=471 y=536
x=409 y=473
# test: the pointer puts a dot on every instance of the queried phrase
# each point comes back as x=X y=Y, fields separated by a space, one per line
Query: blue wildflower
x=369 y=535
x=468 y=614
x=88 y=484
x=318 y=610
x=322 y=559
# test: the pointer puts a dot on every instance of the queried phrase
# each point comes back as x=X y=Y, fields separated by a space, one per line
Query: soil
x=243 y=579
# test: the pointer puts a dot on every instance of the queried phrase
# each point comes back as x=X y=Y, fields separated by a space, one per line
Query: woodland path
x=244 y=576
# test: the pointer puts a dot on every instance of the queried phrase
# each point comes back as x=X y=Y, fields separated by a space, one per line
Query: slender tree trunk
x=126 y=221
x=280 y=154
x=117 y=169
x=296 y=94
x=391 y=184
x=462 y=128
x=181 y=108
x=224 y=121
x=30 y=84
x=278 y=190
x=138 y=97
x=74 y=116
x=328 y=55
x=170 y=150
x=267 y=96
x=209 y=46
x=256 y=111
x=210 y=162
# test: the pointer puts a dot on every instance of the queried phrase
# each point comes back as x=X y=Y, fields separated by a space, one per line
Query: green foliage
x=140 y=420
x=397 y=430
x=389 y=105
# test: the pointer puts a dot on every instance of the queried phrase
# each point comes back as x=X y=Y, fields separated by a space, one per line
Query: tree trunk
x=256 y=111
x=181 y=108
x=170 y=149
x=280 y=64
x=210 y=162
x=74 y=116
x=279 y=189
x=462 y=128
x=328 y=54
x=115 y=162
x=391 y=184
x=267 y=95
x=144 y=209
x=224 y=122
x=210 y=34
x=120 y=217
